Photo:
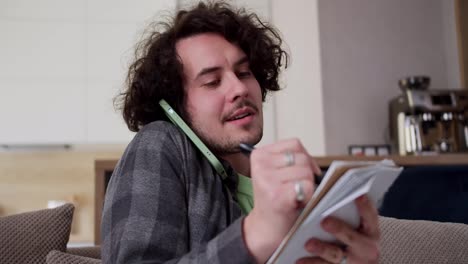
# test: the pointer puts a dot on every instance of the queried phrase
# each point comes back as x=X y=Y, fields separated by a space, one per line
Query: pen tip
x=246 y=148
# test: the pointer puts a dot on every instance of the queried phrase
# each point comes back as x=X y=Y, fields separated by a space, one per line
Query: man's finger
x=312 y=260
x=361 y=245
x=288 y=190
x=357 y=255
x=315 y=166
x=329 y=252
x=293 y=145
x=280 y=160
x=369 y=217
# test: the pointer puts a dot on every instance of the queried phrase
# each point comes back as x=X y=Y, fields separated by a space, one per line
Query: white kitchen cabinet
x=42 y=73
x=61 y=64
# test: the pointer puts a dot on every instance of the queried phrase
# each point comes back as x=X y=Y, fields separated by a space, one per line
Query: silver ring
x=343 y=260
x=289 y=156
x=299 y=189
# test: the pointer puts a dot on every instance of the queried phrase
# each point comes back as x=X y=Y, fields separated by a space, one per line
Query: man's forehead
x=207 y=50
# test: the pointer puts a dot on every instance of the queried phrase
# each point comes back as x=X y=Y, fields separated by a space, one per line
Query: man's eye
x=244 y=74
x=213 y=83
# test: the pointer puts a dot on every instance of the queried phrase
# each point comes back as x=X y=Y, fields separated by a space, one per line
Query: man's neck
x=239 y=162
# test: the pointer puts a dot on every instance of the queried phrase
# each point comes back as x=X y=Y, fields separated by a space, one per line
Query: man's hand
x=275 y=171
x=362 y=245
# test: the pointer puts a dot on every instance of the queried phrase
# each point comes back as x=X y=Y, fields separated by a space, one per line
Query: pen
x=247 y=149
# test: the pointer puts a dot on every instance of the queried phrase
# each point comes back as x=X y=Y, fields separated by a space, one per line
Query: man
x=165 y=203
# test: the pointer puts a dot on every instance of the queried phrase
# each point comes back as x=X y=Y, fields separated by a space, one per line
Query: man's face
x=223 y=98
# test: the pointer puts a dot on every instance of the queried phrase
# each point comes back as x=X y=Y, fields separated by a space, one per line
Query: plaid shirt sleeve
x=149 y=210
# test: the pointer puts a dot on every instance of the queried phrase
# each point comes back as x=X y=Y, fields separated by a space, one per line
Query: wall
x=299 y=107
x=366 y=46
x=461 y=9
x=450 y=40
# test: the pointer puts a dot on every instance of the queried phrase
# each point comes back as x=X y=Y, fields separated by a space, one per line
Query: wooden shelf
x=447 y=159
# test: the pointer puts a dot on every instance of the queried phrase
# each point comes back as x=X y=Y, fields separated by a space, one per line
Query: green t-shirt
x=245 y=194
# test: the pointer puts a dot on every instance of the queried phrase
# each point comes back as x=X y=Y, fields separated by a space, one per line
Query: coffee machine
x=426 y=121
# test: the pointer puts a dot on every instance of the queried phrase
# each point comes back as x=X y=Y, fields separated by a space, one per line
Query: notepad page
x=334 y=166
x=344 y=187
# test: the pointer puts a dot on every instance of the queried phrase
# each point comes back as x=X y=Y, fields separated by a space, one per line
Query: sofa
x=42 y=237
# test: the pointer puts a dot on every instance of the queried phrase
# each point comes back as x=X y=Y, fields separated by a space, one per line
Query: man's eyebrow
x=241 y=61
x=209 y=70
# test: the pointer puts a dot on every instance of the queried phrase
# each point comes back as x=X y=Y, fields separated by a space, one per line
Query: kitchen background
x=63 y=61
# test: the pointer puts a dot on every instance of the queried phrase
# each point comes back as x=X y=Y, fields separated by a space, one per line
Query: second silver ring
x=289 y=157
x=299 y=189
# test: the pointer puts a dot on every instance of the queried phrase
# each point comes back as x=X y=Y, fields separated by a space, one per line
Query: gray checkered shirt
x=165 y=204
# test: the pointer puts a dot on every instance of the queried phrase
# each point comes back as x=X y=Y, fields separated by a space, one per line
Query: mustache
x=238 y=105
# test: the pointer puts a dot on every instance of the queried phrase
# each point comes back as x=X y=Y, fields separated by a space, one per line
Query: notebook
x=343 y=182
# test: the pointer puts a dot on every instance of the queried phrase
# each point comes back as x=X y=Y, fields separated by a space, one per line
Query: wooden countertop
x=445 y=159
x=325 y=161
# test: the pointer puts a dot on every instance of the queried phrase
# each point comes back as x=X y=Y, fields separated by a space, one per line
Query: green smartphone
x=179 y=122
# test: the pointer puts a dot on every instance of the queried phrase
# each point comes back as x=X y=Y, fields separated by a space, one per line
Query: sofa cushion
x=425 y=242
x=90 y=252
x=29 y=237
x=58 y=257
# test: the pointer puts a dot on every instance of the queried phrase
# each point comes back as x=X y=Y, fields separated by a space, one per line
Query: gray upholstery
x=58 y=257
x=424 y=242
x=29 y=237
x=90 y=252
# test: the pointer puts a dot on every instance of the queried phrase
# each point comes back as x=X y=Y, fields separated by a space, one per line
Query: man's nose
x=238 y=89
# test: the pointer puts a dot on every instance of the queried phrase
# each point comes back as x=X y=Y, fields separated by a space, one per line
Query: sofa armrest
x=417 y=241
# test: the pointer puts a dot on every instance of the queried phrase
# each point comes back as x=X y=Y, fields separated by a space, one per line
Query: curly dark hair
x=157 y=71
